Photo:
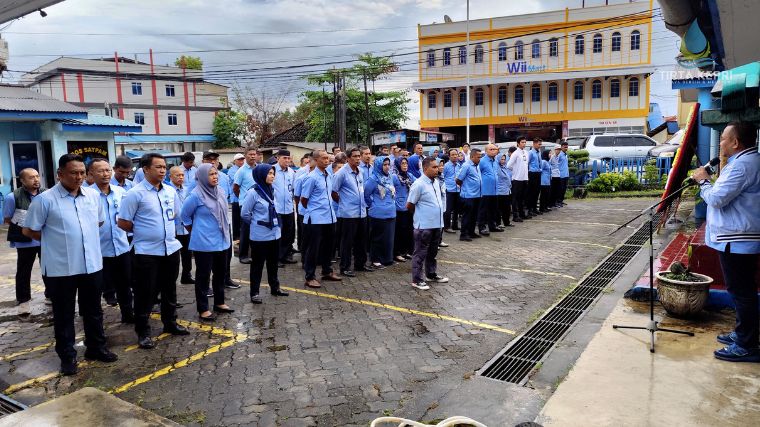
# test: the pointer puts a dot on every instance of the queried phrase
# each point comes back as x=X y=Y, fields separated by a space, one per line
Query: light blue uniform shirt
x=182 y=194
x=283 y=190
x=470 y=177
x=733 y=205
x=350 y=187
x=546 y=173
x=113 y=240
x=402 y=192
x=70 y=231
x=139 y=176
x=366 y=170
x=244 y=179
x=554 y=163
x=155 y=215
x=504 y=185
x=128 y=184
x=488 y=175
x=300 y=176
x=206 y=236
x=427 y=198
x=9 y=207
x=231 y=175
x=564 y=170
x=450 y=171
x=379 y=207
x=189 y=174
x=256 y=208
x=534 y=161
x=317 y=188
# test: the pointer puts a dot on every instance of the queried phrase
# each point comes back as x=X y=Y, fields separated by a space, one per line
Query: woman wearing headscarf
x=204 y=214
x=380 y=195
x=402 y=241
x=258 y=210
x=504 y=190
x=414 y=166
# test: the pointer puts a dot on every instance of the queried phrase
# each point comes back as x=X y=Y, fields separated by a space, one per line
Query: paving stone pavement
x=337 y=359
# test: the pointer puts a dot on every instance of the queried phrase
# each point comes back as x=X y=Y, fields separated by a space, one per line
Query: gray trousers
x=425 y=250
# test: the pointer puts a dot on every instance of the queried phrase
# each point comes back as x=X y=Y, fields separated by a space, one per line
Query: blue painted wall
x=14 y=131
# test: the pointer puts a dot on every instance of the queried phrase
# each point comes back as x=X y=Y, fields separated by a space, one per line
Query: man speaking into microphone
x=733 y=229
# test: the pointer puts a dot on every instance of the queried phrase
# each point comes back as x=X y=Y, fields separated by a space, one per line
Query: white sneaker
x=438 y=279
x=48 y=301
x=24 y=309
x=421 y=285
x=443 y=245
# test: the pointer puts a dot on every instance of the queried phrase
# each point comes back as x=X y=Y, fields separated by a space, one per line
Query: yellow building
x=570 y=72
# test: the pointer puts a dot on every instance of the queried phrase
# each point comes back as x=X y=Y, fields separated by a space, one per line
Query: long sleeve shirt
x=534 y=160
x=518 y=164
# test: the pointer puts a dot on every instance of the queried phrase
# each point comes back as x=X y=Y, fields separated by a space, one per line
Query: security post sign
x=89 y=150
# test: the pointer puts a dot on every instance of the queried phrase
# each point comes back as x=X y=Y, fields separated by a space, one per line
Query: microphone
x=710 y=168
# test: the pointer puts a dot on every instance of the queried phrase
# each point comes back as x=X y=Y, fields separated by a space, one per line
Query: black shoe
x=483 y=232
x=538 y=213
x=509 y=224
x=245 y=260
x=103 y=355
x=475 y=236
x=256 y=299
x=223 y=310
x=516 y=220
x=496 y=230
x=280 y=293
x=288 y=261
x=209 y=293
x=465 y=239
x=210 y=318
x=348 y=273
x=112 y=303
x=232 y=285
x=187 y=280
x=145 y=342
x=69 y=367
x=176 y=330
x=365 y=268
x=280 y=265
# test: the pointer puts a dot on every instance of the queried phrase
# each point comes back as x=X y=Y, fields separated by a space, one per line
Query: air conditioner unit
x=3 y=55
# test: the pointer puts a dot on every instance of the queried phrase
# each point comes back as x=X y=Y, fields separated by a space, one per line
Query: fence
x=594 y=168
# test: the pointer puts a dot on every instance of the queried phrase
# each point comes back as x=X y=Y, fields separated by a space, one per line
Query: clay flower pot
x=683 y=298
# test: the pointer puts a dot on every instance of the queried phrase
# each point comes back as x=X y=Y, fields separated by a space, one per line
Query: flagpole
x=467 y=64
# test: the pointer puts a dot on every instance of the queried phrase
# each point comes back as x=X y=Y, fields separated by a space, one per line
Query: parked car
x=574 y=142
x=669 y=148
x=617 y=146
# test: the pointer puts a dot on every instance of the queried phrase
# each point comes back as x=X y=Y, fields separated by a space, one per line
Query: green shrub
x=613 y=181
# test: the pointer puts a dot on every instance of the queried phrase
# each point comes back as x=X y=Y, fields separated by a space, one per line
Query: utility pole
x=336 y=126
x=467 y=64
x=342 y=93
x=324 y=116
x=366 y=111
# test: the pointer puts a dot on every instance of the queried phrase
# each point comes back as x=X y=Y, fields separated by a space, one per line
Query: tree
x=266 y=113
x=387 y=110
x=229 y=129
x=189 y=62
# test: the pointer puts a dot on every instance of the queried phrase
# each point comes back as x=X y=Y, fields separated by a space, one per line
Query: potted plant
x=681 y=292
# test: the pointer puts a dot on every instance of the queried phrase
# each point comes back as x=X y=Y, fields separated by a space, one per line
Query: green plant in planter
x=575 y=159
x=612 y=181
x=678 y=271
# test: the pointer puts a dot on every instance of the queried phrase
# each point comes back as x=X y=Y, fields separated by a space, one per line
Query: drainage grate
x=9 y=406
x=521 y=356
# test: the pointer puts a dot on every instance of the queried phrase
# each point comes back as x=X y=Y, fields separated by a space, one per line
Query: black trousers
x=245 y=239
x=235 y=220
x=563 y=189
x=288 y=229
x=519 y=189
x=504 y=204
x=534 y=187
x=402 y=240
x=381 y=233
x=155 y=274
x=299 y=234
x=186 y=255
x=469 y=213
x=264 y=253
x=117 y=275
x=63 y=293
x=205 y=264
x=556 y=186
x=451 y=215
x=318 y=247
x=24 y=265
x=487 y=212
x=353 y=242
x=546 y=197
x=739 y=272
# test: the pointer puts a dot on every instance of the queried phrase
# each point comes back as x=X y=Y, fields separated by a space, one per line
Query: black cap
x=210 y=155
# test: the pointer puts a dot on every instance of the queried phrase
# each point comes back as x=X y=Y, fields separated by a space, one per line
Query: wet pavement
x=346 y=354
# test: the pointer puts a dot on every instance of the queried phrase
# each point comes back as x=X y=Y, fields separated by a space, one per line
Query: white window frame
x=141 y=115
x=137 y=85
x=173 y=90
x=169 y=119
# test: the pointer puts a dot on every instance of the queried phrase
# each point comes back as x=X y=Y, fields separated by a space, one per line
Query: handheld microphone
x=710 y=168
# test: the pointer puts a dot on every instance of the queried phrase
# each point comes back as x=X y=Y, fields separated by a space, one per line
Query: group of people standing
x=99 y=234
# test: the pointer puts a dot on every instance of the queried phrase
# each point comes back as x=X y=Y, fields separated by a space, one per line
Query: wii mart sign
x=520 y=67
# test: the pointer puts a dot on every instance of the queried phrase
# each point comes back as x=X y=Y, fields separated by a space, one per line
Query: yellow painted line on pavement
x=394 y=308
x=563 y=241
x=34 y=381
x=521 y=270
x=26 y=351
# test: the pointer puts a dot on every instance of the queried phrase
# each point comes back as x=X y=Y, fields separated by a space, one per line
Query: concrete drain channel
x=516 y=361
x=9 y=406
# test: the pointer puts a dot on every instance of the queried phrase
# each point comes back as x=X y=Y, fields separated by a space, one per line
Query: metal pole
x=467 y=65
x=366 y=109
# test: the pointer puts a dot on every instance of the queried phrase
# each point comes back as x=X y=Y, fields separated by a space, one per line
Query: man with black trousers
x=65 y=220
x=469 y=182
x=284 y=178
x=534 y=178
x=151 y=211
x=15 y=209
x=518 y=164
x=488 y=210
x=348 y=192
x=733 y=229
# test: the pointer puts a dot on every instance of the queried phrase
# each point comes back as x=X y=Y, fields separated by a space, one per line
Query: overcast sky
x=253 y=34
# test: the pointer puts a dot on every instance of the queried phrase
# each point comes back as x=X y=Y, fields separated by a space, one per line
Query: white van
x=617 y=146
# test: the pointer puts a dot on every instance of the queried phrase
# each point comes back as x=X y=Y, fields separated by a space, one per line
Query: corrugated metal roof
x=14 y=98
x=99 y=120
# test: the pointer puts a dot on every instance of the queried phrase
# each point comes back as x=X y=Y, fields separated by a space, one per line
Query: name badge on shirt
x=275 y=222
x=170 y=214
